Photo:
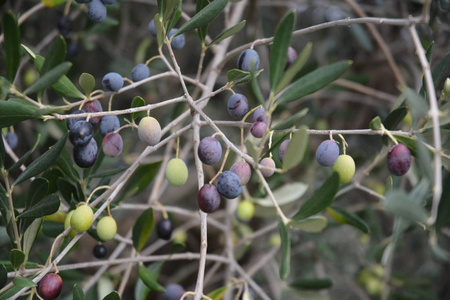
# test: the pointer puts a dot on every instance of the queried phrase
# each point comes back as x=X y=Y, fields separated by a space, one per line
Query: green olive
x=59 y=217
x=82 y=218
x=345 y=167
x=176 y=172
x=72 y=233
x=245 y=210
x=106 y=228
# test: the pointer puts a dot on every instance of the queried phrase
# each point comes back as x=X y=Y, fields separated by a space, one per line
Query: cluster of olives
x=81 y=134
x=228 y=183
x=327 y=155
x=81 y=218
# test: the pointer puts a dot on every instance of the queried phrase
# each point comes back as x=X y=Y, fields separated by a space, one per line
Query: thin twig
x=434 y=114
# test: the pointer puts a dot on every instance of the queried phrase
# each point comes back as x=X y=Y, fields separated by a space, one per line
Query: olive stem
x=9 y=191
x=386 y=132
x=344 y=144
x=102 y=187
x=221 y=166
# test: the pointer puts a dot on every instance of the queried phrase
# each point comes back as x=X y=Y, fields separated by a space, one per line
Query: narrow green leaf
x=218 y=293
x=285 y=250
x=3 y=276
x=23 y=282
x=296 y=149
x=375 y=123
x=170 y=11
x=150 y=280
x=401 y=205
x=312 y=283
x=141 y=290
x=14 y=111
x=360 y=34
x=2 y=152
x=291 y=121
x=43 y=162
x=37 y=191
x=112 y=296
x=321 y=198
x=56 y=55
x=443 y=217
x=161 y=6
x=279 y=48
x=285 y=194
x=49 y=78
x=11 y=44
x=236 y=75
x=417 y=105
x=142 y=229
x=424 y=160
x=77 y=293
x=9 y=293
x=255 y=88
x=140 y=179
x=440 y=71
x=107 y=173
x=227 y=33
x=203 y=17
x=393 y=119
x=314 y=81
x=64 y=85
x=16 y=257
x=176 y=16
x=64 y=162
x=314 y=224
x=53 y=3
x=202 y=31
x=45 y=207
x=30 y=236
x=345 y=217
x=160 y=36
x=52 y=229
x=87 y=83
x=138 y=102
x=5 y=88
x=25 y=157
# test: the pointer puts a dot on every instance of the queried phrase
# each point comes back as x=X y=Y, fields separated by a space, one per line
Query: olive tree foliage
x=367 y=75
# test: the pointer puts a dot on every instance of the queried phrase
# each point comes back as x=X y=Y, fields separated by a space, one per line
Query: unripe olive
x=59 y=217
x=82 y=218
x=106 y=228
x=345 y=167
x=245 y=210
x=72 y=232
x=176 y=172
x=149 y=131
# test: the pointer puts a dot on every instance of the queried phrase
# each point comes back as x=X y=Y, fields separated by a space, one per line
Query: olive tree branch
x=434 y=112
x=344 y=22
